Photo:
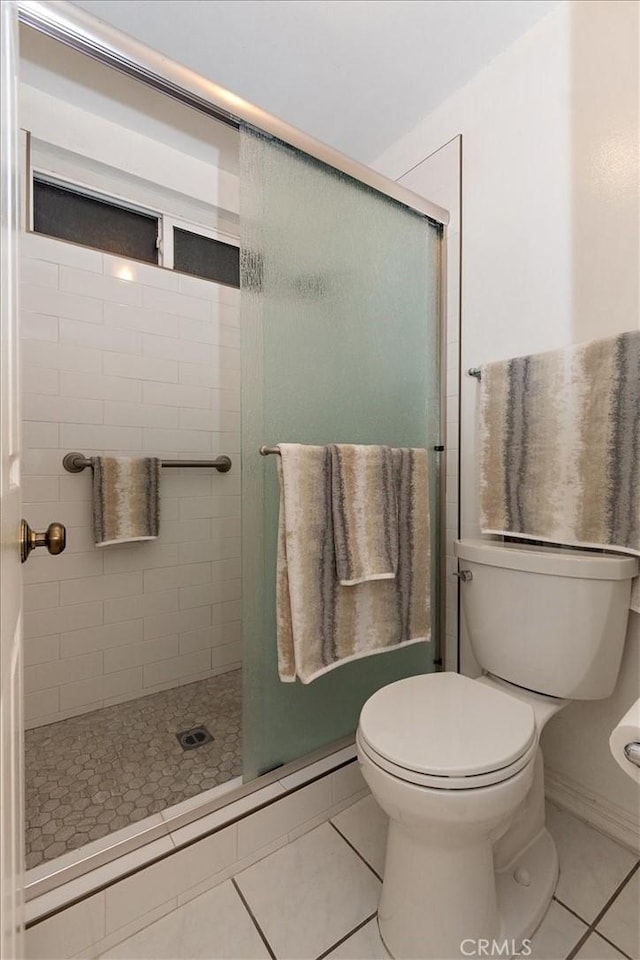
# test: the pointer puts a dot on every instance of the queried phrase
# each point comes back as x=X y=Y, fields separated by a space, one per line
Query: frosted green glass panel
x=340 y=343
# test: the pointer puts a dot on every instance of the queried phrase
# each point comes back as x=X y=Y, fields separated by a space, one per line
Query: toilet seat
x=447 y=783
x=448 y=732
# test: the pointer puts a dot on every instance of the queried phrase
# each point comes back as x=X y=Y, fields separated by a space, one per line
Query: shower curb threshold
x=58 y=884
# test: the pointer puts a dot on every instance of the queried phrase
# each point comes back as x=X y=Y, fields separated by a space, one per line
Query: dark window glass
x=202 y=257
x=94 y=223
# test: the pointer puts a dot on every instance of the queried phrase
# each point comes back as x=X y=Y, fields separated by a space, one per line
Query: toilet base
x=522 y=907
x=521 y=903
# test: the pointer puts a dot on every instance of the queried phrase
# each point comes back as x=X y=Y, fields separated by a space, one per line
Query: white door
x=11 y=806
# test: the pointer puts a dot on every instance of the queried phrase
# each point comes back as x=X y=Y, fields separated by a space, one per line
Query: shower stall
x=287 y=294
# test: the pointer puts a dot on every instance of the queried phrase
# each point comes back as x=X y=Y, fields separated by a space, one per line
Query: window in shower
x=94 y=222
x=206 y=257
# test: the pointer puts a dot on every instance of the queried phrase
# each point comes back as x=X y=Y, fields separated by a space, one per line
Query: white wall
x=550 y=257
x=115 y=97
x=96 y=125
x=144 y=365
x=82 y=146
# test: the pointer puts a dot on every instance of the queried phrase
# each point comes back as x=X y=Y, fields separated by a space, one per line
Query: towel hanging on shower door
x=365 y=512
x=322 y=624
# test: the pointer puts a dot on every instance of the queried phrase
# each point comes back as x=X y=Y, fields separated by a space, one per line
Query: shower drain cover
x=190 y=739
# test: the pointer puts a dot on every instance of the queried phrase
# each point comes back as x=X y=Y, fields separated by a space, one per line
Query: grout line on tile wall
x=253 y=919
x=355 y=850
x=338 y=943
x=592 y=926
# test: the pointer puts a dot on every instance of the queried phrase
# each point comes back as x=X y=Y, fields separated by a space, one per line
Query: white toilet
x=456 y=764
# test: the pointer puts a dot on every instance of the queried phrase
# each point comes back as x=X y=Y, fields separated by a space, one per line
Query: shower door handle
x=54 y=539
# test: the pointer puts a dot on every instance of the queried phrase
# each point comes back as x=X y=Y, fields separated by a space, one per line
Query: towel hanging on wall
x=560 y=445
x=126 y=505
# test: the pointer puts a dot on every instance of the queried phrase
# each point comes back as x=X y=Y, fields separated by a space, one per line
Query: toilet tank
x=547 y=619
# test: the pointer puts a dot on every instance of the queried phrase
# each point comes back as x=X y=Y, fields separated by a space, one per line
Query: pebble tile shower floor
x=96 y=773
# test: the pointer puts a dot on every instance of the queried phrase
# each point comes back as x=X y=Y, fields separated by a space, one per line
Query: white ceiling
x=357 y=74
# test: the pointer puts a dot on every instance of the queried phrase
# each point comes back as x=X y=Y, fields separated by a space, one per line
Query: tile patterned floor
x=316 y=898
x=99 y=772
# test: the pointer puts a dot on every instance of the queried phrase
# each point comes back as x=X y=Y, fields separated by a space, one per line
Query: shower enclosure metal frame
x=82 y=32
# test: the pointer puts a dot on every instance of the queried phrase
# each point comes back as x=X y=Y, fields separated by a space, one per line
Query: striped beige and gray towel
x=126 y=503
x=321 y=623
x=365 y=512
x=560 y=445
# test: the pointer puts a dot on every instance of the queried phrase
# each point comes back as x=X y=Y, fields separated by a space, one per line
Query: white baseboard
x=594 y=809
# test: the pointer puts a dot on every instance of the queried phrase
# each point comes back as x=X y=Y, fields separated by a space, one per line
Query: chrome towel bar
x=475 y=372
x=267 y=451
x=77 y=462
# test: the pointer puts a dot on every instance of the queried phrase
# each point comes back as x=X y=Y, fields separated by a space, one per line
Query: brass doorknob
x=54 y=539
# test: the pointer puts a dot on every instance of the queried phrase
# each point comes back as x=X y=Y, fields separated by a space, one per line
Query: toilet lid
x=446 y=725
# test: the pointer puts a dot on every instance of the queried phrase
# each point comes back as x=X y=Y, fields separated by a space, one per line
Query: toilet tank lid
x=553 y=561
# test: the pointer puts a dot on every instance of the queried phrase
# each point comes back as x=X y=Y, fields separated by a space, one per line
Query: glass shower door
x=340 y=325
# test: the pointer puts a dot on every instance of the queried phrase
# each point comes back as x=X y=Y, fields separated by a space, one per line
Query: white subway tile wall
x=145 y=365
